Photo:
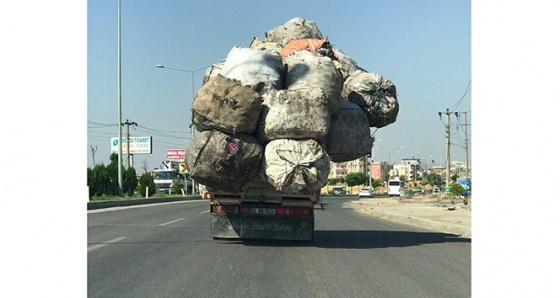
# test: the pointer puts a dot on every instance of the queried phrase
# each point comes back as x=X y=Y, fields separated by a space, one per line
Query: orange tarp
x=308 y=44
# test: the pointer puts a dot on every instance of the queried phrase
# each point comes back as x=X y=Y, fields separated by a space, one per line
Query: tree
x=145 y=165
x=147 y=180
x=375 y=183
x=435 y=179
x=97 y=180
x=356 y=179
x=112 y=186
x=130 y=181
x=454 y=177
x=456 y=188
x=332 y=181
x=176 y=187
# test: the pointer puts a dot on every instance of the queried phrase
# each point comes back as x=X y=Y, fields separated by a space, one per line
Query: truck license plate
x=262 y=211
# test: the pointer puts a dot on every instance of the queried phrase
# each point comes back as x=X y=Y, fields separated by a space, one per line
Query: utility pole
x=467 y=143
x=128 y=124
x=447 y=151
x=447 y=148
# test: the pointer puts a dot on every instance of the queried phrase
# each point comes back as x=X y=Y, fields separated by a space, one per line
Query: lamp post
x=192 y=100
x=192 y=82
x=119 y=104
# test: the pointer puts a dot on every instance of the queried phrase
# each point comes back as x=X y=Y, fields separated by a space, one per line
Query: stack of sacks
x=280 y=110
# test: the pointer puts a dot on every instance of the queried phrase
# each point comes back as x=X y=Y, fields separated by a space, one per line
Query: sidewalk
x=425 y=212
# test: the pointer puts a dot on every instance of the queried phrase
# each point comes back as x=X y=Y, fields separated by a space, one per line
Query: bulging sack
x=253 y=66
x=296 y=28
x=213 y=71
x=349 y=135
x=294 y=114
x=260 y=44
x=375 y=94
x=222 y=160
x=296 y=166
x=224 y=104
x=306 y=70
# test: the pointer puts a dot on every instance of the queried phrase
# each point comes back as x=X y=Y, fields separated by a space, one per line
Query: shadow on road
x=360 y=239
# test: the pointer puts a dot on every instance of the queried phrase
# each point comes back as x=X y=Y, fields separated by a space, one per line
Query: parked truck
x=167 y=174
x=259 y=212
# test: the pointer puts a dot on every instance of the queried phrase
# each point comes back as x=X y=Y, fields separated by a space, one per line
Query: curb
x=124 y=203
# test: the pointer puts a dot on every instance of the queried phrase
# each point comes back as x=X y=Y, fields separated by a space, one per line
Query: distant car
x=418 y=189
x=365 y=193
x=436 y=190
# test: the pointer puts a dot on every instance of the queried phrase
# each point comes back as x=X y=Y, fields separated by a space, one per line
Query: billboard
x=138 y=145
x=176 y=154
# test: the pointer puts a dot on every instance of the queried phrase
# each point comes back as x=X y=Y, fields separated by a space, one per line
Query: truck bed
x=258 y=211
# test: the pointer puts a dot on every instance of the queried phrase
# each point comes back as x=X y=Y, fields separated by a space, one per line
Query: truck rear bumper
x=262 y=227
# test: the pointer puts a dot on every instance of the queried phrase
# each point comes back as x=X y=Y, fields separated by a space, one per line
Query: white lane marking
x=170 y=222
x=100 y=245
x=207 y=211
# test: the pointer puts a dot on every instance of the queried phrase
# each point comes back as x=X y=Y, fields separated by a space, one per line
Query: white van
x=394 y=188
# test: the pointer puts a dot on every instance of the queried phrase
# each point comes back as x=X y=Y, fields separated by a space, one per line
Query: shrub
x=176 y=187
x=112 y=184
x=456 y=188
x=332 y=181
x=356 y=178
x=130 y=181
x=97 y=180
x=147 y=180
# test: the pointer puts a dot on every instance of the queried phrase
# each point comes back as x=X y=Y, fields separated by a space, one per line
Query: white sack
x=295 y=166
x=294 y=114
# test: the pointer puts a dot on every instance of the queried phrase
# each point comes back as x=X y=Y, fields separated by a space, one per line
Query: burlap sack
x=223 y=161
x=294 y=114
x=296 y=28
x=349 y=134
x=224 y=104
x=253 y=66
x=296 y=166
x=307 y=70
x=260 y=44
x=375 y=94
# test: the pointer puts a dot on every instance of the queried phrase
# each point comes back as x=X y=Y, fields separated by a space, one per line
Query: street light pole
x=192 y=101
x=119 y=164
x=192 y=83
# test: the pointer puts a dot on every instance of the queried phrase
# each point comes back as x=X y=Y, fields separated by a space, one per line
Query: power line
x=468 y=89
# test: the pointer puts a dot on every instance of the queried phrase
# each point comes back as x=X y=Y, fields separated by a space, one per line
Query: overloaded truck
x=272 y=117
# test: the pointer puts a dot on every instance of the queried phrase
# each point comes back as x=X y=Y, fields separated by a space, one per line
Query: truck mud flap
x=261 y=227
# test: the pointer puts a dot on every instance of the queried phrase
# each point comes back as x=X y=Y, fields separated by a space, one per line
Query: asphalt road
x=165 y=250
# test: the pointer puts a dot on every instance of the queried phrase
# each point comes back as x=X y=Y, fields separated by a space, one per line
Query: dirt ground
x=439 y=213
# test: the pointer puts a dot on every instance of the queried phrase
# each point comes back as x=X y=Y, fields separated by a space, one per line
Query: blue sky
x=424 y=47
